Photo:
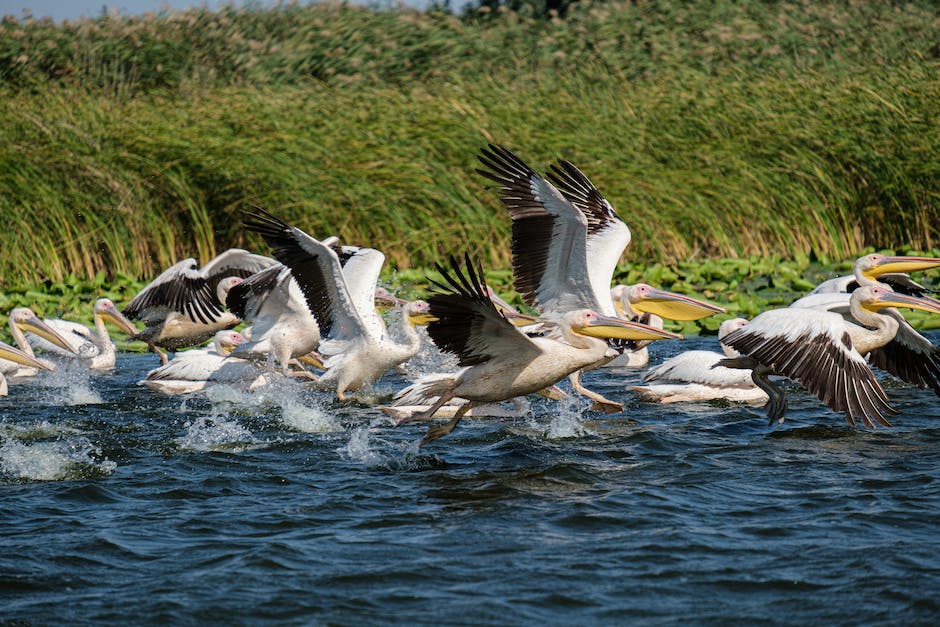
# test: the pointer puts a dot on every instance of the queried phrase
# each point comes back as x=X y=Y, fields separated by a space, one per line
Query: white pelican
x=696 y=376
x=194 y=370
x=23 y=320
x=500 y=362
x=281 y=324
x=824 y=352
x=93 y=348
x=566 y=242
x=644 y=303
x=885 y=269
x=357 y=349
x=909 y=355
x=13 y=355
x=184 y=305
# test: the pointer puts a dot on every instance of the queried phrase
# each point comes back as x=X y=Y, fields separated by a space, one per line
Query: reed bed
x=786 y=130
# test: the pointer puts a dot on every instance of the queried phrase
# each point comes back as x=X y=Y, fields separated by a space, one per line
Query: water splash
x=216 y=433
x=70 y=385
x=58 y=460
x=566 y=422
x=364 y=447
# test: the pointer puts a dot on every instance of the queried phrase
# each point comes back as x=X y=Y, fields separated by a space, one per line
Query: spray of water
x=57 y=460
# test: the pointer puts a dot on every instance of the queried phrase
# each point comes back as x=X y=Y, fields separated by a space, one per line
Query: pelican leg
x=164 y=360
x=777 y=405
x=427 y=413
x=555 y=393
x=600 y=404
x=439 y=431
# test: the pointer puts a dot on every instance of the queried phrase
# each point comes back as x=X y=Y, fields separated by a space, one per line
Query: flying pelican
x=909 y=355
x=824 y=352
x=94 y=348
x=500 y=362
x=357 y=348
x=23 y=320
x=184 y=305
x=566 y=242
x=196 y=369
x=281 y=324
x=696 y=376
x=644 y=303
x=13 y=355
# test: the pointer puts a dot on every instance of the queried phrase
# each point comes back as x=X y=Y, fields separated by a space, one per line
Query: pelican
x=12 y=355
x=500 y=362
x=196 y=369
x=824 y=352
x=884 y=269
x=649 y=305
x=909 y=355
x=281 y=324
x=93 y=348
x=696 y=376
x=23 y=320
x=357 y=348
x=566 y=242
x=184 y=305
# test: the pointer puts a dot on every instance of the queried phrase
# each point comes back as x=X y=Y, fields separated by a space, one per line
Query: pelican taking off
x=196 y=369
x=824 y=352
x=281 y=324
x=184 y=305
x=93 y=348
x=357 y=348
x=696 y=376
x=909 y=355
x=500 y=362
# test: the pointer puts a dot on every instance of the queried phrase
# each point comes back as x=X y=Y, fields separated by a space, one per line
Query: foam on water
x=58 y=460
x=298 y=410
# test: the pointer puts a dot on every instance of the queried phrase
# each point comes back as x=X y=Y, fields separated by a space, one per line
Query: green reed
x=716 y=129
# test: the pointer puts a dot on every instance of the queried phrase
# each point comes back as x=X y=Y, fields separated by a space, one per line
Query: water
x=120 y=505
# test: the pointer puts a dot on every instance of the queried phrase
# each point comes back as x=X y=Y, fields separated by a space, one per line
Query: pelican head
x=418 y=312
x=874 y=265
x=590 y=323
x=874 y=298
x=668 y=305
x=385 y=300
x=14 y=354
x=24 y=319
x=225 y=286
x=105 y=310
x=227 y=341
x=732 y=324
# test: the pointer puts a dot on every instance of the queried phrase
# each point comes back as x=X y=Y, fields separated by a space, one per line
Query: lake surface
x=121 y=505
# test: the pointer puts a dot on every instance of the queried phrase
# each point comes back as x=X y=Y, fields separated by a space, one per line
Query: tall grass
x=716 y=129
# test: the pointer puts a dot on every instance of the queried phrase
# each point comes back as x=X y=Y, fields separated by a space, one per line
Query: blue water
x=120 y=505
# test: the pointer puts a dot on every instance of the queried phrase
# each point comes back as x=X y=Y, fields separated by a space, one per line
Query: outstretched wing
x=467 y=323
x=909 y=356
x=181 y=288
x=549 y=236
x=815 y=349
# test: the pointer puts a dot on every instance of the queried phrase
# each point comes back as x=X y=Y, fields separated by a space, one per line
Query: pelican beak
x=16 y=355
x=620 y=309
x=46 y=332
x=672 y=306
x=617 y=328
x=117 y=319
x=894 y=299
x=518 y=319
x=312 y=359
x=901 y=264
x=421 y=318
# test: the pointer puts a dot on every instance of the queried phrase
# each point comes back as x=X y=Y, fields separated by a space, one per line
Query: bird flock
x=313 y=311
